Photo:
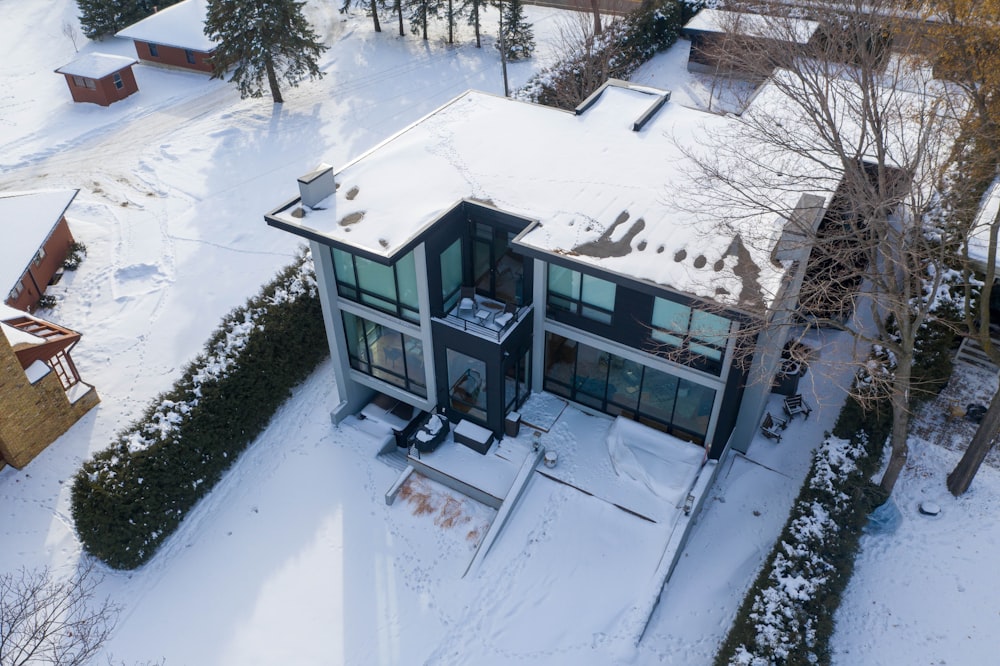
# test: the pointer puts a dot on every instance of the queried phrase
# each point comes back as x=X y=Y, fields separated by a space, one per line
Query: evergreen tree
x=100 y=18
x=473 y=7
x=518 y=37
x=372 y=6
x=262 y=39
x=420 y=13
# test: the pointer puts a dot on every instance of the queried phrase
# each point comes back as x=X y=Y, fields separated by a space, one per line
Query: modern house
x=174 y=36
x=100 y=78
x=712 y=30
x=36 y=240
x=41 y=393
x=497 y=248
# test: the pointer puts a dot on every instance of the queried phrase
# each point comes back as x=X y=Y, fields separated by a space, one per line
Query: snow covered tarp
x=664 y=464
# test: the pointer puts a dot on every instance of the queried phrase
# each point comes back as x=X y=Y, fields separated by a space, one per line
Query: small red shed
x=174 y=36
x=100 y=78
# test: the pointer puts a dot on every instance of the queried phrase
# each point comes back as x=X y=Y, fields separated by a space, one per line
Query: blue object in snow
x=884 y=519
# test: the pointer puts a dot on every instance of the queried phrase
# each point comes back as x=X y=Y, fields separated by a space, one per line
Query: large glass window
x=678 y=326
x=391 y=289
x=617 y=385
x=451 y=274
x=581 y=294
x=385 y=353
x=467 y=384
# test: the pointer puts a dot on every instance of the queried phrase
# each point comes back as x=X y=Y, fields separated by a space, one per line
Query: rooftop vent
x=316 y=186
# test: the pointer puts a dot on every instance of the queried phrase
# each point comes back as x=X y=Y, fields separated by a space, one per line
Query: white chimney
x=317 y=185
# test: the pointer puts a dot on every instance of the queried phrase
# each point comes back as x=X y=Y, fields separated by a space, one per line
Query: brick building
x=41 y=393
x=174 y=36
x=34 y=241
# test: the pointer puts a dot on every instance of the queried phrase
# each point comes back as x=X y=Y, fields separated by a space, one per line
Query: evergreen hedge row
x=624 y=45
x=134 y=494
x=787 y=615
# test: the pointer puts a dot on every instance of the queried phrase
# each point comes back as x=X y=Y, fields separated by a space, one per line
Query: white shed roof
x=181 y=25
x=96 y=65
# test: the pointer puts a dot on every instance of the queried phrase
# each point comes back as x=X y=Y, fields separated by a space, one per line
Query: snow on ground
x=295 y=557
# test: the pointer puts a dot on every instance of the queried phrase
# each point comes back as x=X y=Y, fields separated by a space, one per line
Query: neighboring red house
x=34 y=241
x=710 y=29
x=174 y=36
x=100 y=78
x=41 y=393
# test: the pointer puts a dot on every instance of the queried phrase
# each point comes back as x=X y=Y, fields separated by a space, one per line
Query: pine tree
x=518 y=36
x=371 y=6
x=420 y=13
x=262 y=39
x=100 y=18
x=472 y=8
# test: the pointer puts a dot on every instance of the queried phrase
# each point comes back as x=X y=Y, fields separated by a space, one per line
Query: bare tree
x=70 y=31
x=869 y=131
x=44 y=620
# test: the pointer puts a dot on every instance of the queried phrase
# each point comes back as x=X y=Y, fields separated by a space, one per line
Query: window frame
x=684 y=333
x=154 y=49
x=573 y=300
x=350 y=286
x=116 y=78
x=359 y=348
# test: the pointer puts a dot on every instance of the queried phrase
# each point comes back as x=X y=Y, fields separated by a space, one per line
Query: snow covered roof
x=26 y=220
x=979 y=240
x=601 y=192
x=753 y=25
x=96 y=65
x=181 y=25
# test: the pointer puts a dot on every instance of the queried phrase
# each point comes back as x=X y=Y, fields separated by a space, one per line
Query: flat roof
x=26 y=220
x=181 y=25
x=602 y=194
x=96 y=65
x=781 y=28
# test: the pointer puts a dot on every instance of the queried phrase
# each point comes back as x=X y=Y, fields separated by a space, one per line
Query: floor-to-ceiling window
x=517 y=380
x=467 y=384
x=617 y=385
x=498 y=271
x=385 y=353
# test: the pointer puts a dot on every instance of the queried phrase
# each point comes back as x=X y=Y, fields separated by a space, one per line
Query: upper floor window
x=385 y=354
x=16 y=292
x=154 y=50
x=581 y=294
x=117 y=78
x=39 y=256
x=679 y=326
x=391 y=289
x=189 y=54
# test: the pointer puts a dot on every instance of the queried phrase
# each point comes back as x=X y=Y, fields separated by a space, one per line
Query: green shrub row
x=787 y=615
x=624 y=45
x=134 y=494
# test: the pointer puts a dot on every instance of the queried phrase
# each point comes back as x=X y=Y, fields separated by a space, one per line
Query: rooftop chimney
x=317 y=185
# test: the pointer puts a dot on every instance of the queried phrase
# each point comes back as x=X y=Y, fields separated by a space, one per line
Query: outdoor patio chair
x=509 y=312
x=772 y=426
x=794 y=404
x=468 y=300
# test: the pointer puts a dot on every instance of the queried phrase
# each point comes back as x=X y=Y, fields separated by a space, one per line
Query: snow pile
x=792 y=606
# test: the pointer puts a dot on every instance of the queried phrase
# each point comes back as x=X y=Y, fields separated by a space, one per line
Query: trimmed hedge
x=787 y=615
x=134 y=494
x=624 y=45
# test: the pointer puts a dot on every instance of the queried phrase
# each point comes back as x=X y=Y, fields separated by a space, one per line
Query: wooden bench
x=794 y=404
x=772 y=426
x=477 y=438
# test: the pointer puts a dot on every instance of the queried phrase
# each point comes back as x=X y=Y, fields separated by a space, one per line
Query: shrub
x=77 y=251
x=47 y=301
x=787 y=615
x=625 y=43
x=134 y=494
